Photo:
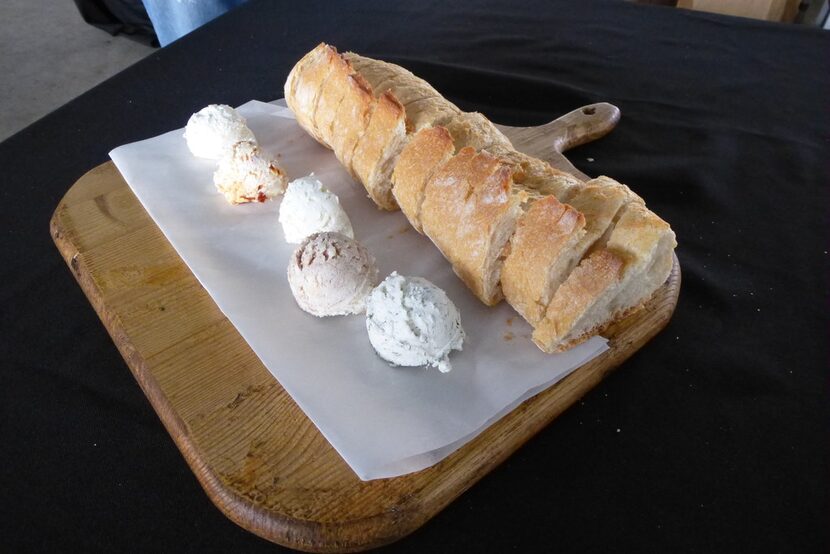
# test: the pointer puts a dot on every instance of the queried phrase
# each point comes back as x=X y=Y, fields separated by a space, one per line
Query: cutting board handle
x=582 y=125
x=550 y=140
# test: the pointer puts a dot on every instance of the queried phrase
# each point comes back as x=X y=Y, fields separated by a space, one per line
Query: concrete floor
x=49 y=55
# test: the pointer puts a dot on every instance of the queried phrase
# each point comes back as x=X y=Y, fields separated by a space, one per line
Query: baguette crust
x=648 y=240
x=426 y=112
x=382 y=140
x=424 y=106
x=352 y=119
x=428 y=150
x=469 y=212
x=302 y=88
x=599 y=206
x=544 y=232
x=406 y=91
x=539 y=175
x=608 y=182
x=474 y=130
x=293 y=79
x=596 y=277
x=331 y=94
x=645 y=243
x=374 y=71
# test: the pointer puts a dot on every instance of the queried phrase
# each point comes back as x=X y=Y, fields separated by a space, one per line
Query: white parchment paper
x=384 y=421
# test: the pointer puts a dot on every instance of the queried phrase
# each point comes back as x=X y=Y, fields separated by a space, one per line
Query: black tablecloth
x=712 y=438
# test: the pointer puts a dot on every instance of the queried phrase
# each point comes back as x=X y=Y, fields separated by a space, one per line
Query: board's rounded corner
x=349 y=535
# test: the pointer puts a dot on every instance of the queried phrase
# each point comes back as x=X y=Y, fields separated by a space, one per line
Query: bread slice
x=541 y=258
x=547 y=232
x=596 y=278
x=474 y=130
x=333 y=90
x=378 y=148
x=618 y=188
x=598 y=205
x=649 y=242
x=352 y=119
x=428 y=150
x=538 y=264
x=374 y=71
x=469 y=211
x=303 y=85
x=429 y=112
x=539 y=175
x=432 y=147
x=407 y=89
x=645 y=243
x=384 y=76
x=311 y=58
x=424 y=106
x=605 y=181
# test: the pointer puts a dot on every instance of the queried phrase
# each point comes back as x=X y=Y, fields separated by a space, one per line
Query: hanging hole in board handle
x=589 y=110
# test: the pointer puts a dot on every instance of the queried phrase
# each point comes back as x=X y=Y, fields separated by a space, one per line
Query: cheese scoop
x=308 y=207
x=412 y=322
x=212 y=131
x=331 y=274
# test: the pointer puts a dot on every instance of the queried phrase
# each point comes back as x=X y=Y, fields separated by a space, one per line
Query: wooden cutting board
x=260 y=460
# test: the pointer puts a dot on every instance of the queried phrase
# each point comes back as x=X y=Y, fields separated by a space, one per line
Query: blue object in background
x=175 y=18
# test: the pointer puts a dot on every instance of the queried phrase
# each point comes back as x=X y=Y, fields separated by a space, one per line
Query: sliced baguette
x=302 y=88
x=432 y=147
x=352 y=119
x=496 y=214
x=546 y=233
x=649 y=241
x=424 y=106
x=429 y=112
x=469 y=211
x=594 y=280
x=374 y=71
x=599 y=206
x=538 y=174
x=474 y=130
x=332 y=91
x=428 y=150
x=378 y=148
x=644 y=242
x=541 y=258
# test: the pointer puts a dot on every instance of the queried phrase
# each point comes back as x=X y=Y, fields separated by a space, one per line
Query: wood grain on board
x=260 y=460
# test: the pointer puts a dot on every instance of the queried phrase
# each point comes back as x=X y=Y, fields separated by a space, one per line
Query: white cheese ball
x=212 y=131
x=308 y=207
x=412 y=322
